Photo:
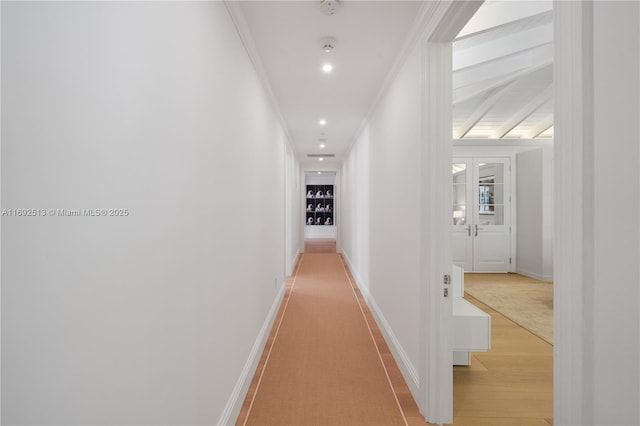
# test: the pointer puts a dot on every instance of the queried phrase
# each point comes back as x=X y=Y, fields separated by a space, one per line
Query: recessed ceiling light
x=327 y=68
x=321 y=145
x=319 y=173
x=320 y=159
x=323 y=122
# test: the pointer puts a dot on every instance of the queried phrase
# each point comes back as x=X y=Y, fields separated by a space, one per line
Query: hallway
x=153 y=164
x=320 y=349
x=322 y=365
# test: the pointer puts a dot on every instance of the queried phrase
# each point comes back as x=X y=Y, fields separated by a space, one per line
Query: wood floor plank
x=499 y=421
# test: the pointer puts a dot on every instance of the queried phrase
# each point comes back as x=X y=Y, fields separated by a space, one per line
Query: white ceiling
x=502 y=66
x=503 y=72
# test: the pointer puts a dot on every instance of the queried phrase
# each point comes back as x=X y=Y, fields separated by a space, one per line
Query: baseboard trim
x=294 y=262
x=408 y=370
x=234 y=404
x=534 y=275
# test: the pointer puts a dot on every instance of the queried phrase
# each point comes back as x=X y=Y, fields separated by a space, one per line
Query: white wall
x=547 y=213
x=615 y=183
x=148 y=318
x=355 y=210
x=382 y=217
x=597 y=249
x=292 y=206
x=529 y=211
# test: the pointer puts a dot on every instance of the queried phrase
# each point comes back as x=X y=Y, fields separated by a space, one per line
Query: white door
x=462 y=241
x=482 y=214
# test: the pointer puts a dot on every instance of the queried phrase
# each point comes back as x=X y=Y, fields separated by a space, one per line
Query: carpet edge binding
x=408 y=370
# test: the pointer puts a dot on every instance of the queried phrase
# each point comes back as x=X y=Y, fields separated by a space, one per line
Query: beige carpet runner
x=324 y=368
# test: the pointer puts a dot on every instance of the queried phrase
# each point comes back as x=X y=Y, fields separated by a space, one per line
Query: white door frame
x=442 y=23
x=573 y=141
x=309 y=168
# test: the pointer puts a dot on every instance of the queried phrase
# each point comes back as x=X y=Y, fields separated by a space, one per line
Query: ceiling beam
x=495 y=14
x=482 y=110
x=503 y=46
x=541 y=127
x=503 y=66
x=524 y=112
x=469 y=92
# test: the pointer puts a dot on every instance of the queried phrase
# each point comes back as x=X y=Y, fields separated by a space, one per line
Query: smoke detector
x=329 y=7
x=328 y=44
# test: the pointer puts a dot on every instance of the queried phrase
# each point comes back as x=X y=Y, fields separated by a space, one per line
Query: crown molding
x=437 y=21
x=242 y=27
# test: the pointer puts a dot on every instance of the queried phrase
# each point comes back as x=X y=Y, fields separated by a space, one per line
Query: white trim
x=436 y=375
x=573 y=248
x=534 y=275
x=294 y=262
x=517 y=144
x=436 y=20
x=337 y=195
x=275 y=336
x=242 y=27
x=443 y=23
x=236 y=399
x=408 y=370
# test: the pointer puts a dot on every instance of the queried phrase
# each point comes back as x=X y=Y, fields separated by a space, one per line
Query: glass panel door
x=491 y=230
x=481 y=214
x=462 y=244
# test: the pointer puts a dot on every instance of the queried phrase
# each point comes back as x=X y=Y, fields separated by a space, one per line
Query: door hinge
x=509 y=261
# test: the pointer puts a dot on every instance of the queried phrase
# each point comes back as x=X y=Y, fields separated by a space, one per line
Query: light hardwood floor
x=511 y=385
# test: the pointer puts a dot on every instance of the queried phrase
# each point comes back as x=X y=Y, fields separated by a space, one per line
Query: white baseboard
x=534 y=275
x=408 y=370
x=294 y=262
x=234 y=404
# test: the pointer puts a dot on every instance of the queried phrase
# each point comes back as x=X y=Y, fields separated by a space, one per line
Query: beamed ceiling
x=503 y=72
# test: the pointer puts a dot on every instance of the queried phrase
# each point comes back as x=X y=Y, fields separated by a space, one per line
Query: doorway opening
x=320 y=212
x=502 y=93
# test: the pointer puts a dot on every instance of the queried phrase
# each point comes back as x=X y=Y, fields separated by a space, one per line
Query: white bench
x=471 y=325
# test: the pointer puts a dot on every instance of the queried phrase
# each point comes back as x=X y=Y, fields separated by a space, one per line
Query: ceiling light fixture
x=327 y=68
x=323 y=122
x=329 y=7
x=328 y=44
x=320 y=159
x=321 y=145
